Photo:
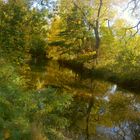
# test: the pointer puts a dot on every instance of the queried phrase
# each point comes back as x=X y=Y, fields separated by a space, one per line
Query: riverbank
x=128 y=83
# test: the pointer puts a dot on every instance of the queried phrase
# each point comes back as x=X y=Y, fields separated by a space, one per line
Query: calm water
x=100 y=110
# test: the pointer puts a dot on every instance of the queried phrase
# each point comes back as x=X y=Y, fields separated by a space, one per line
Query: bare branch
x=128 y=4
x=132 y=3
x=134 y=27
x=108 y=23
x=132 y=30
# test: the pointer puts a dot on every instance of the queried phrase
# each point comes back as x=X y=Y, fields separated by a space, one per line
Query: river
x=100 y=110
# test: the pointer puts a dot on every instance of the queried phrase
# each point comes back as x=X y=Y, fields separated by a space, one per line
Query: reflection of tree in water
x=116 y=119
x=91 y=116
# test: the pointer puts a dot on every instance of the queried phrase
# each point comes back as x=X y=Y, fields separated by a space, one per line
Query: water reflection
x=100 y=111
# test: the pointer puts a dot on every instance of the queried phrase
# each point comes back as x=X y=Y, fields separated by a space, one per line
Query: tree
x=20 y=28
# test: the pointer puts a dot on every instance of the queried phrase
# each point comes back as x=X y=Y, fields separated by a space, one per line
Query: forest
x=69 y=70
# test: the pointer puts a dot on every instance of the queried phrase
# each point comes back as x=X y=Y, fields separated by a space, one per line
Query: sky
x=125 y=12
x=122 y=12
x=127 y=15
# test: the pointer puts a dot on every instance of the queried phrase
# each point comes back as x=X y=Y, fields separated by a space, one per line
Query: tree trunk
x=96 y=31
